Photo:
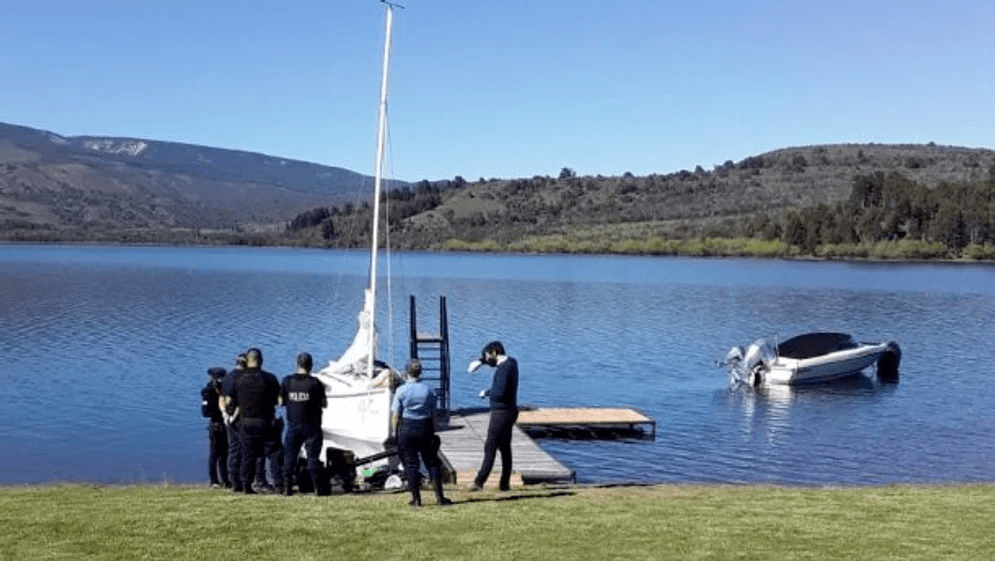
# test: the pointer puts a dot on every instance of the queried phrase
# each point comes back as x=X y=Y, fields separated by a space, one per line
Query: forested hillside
x=822 y=201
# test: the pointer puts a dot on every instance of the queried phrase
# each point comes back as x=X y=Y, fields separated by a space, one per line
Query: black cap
x=216 y=372
x=304 y=361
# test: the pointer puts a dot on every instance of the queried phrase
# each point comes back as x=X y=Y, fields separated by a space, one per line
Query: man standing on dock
x=503 y=395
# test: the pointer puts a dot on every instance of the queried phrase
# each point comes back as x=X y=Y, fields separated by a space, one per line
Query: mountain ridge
x=93 y=182
x=108 y=188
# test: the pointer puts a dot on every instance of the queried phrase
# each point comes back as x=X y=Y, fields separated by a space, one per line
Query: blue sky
x=505 y=88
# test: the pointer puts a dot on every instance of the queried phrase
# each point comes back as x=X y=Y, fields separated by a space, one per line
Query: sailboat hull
x=357 y=422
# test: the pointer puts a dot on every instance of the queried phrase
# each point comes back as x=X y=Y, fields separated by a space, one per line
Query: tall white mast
x=381 y=136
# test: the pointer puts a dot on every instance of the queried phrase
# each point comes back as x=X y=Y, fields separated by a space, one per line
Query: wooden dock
x=463 y=451
x=595 y=420
x=462 y=447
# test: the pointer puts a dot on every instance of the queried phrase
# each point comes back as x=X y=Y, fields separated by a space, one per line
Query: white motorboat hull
x=824 y=368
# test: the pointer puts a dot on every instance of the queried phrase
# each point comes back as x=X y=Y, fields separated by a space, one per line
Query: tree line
x=884 y=209
x=888 y=207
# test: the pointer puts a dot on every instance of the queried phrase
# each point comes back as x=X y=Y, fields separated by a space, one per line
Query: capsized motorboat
x=809 y=358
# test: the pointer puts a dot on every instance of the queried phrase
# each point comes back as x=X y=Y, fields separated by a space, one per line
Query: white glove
x=484 y=394
x=474 y=366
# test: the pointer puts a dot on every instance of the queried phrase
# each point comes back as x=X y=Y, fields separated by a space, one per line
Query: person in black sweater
x=503 y=396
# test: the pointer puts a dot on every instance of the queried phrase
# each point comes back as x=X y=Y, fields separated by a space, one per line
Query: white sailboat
x=358 y=387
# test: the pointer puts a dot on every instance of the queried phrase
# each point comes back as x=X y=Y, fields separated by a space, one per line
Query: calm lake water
x=103 y=351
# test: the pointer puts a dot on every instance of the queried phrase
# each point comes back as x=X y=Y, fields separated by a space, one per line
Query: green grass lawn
x=654 y=522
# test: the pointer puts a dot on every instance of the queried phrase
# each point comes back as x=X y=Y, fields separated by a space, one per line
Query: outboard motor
x=758 y=356
x=734 y=363
x=748 y=366
x=889 y=362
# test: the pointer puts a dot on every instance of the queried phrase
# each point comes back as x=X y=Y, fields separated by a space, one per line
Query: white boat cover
x=358 y=414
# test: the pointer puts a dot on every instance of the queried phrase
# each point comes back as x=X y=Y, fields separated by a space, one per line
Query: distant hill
x=678 y=203
x=122 y=189
x=90 y=184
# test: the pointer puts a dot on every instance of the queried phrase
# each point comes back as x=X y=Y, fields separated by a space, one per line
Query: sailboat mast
x=381 y=139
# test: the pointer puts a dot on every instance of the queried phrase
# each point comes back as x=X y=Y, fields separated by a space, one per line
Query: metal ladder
x=432 y=349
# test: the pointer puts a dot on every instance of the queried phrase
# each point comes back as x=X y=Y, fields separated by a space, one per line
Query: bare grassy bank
x=651 y=522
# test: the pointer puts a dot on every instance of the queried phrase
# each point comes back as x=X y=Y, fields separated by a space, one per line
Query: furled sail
x=358 y=412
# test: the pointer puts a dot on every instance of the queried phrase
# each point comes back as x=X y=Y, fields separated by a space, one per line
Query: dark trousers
x=217 y=459
x=417 y=438
x=272 y=454
x=234 y=455
x=310 y=437
x=499 y=432
x=252 y=435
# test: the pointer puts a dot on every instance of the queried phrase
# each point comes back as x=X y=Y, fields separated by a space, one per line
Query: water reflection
x=767 y=409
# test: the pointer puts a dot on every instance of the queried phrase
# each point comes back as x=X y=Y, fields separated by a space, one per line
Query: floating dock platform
x=589 y=422
x=462 y=448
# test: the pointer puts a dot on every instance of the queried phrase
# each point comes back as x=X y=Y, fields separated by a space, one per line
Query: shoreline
x=478 y=251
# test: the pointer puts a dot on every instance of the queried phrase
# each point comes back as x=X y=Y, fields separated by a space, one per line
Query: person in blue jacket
x=413 y=421
x=503 y=397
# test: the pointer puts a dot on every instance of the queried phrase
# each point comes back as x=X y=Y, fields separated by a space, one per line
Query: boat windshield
x=812 y=345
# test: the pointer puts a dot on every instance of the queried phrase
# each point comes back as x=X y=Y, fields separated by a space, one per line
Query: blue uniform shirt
x=414 y=400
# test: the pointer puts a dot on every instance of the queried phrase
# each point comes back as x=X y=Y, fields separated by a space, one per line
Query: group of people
x=246 y=434
x=244 y=424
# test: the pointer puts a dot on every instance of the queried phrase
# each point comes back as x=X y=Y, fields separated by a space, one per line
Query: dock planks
x=463 y=450
x=463 y=440
x=586 y=417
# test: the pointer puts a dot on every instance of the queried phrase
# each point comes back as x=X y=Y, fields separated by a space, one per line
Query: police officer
x=256 y=394
x=413 y=421
x=303 y=396
x=231 y=414
x=217 y=460
x=503 y=396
